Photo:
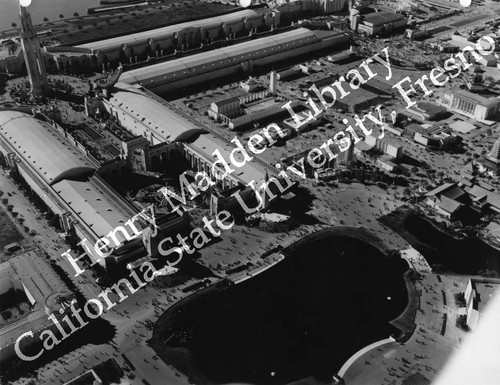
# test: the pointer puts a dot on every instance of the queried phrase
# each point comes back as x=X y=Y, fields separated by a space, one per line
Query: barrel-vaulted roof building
x=44 y=151
x=63 y=177
x=221 y=62
x=176 y=35
x=145 y=116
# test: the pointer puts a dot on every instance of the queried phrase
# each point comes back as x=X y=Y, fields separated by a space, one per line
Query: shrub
x=460 y=299
x=462 y=322
x=487 y=273
x=279 y=227
x=438 y=268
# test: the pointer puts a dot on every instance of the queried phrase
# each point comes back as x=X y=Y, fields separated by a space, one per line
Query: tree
x=413 y=275
x=61 y=16
x=76 y=14
x=424 y=184
x=45 y=19
x=14 y=25
x=438 y=268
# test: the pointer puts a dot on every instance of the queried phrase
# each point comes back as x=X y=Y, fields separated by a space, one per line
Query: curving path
x=360 y=352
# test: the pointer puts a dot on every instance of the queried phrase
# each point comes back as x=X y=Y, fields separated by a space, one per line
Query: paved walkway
x=155 y=371
x=416 y=260
x=128 y=317
x=428 y=348
x=361 y=352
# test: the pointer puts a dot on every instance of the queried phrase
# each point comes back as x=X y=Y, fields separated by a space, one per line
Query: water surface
x=462 y=256
x=303 y=317
x=39 y=9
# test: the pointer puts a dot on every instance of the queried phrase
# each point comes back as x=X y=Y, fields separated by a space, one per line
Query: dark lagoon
x=469 y=255
x=333 y=294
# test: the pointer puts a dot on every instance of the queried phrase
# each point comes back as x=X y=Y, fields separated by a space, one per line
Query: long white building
x=177 y=35
x=144 y=114
x=63 y=177
x=206 y=66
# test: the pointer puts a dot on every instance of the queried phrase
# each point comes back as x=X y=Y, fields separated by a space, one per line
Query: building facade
x=179 y=36
x=379 y=22
x=226 y=109
x=243 y=57
x=477 y=294
x=472 y=105
x=67 y=181
x=387 y=146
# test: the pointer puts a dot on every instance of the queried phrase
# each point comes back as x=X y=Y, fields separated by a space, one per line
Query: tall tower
x=354 y=18
x=349 y=155
x=273 y=82
x=32 y=54
x=494 y=154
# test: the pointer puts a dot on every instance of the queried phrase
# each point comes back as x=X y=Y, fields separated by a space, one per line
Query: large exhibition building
x=181 y=35
x=63 y=177
x=71 y=182
x=242 y=57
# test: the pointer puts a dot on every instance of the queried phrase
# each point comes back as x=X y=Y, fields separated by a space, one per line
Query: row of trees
x=46 y=19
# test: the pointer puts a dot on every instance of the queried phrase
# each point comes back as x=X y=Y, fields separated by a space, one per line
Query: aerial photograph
x=250 y=192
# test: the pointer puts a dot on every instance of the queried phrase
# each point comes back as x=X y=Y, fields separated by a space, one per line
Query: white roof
x=41 y=146
x=40 y=280
x=162 y=121
x=235 y=53
x=251 y=171
x=205 y=59
x=92 y=207
x=462 y=127
x=300 y=33
x=166 y=32
x=171 y=67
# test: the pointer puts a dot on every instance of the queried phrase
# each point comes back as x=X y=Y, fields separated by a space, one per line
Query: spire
x=32 y=53
x=264 y=187
x=349 y=155
x=494 y=154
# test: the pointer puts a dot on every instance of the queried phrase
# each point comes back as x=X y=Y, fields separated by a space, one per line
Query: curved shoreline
x=359 y=233
x=410 y=311
x=161 y=332
x=440 y=248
